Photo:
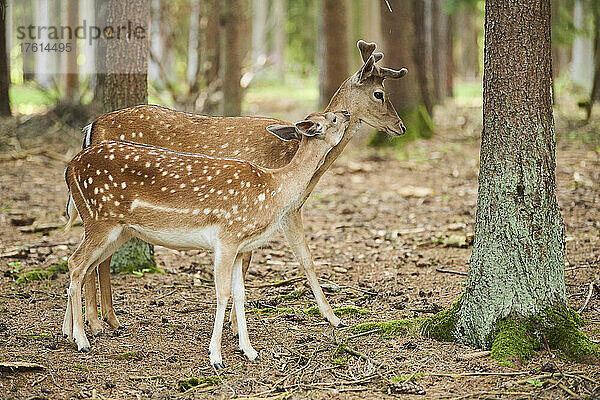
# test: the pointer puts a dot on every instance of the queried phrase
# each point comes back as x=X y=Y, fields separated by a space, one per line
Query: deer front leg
x=293 y=230
x=223 y=266
x=106 y=303
x=246 y=258
x=91 y=303
x=237 y=291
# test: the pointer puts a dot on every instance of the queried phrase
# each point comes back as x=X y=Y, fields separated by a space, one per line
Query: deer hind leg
x=246 y=258
x=88 y=254
x=106 y=304
x=91 y=303
x=224 y=258
x=294 y=233
x=237 y=291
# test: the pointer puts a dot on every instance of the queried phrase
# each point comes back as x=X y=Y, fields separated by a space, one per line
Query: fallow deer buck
x=246 y=138
x=188 y=201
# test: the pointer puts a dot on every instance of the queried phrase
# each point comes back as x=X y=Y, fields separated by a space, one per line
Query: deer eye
x=378 y=95
x=334 y=120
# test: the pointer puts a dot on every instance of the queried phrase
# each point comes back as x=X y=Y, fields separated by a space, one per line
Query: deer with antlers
x=188 y=201
x=363 y=95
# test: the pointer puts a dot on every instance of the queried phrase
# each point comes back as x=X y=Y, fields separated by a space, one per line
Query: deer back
x=243 y=138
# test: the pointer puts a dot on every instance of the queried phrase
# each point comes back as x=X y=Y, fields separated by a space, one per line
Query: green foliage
x=134 y=257
x=441 y=326
x=513 y=341
x=38 y=274
x=401 y=327
x=186 y=384
x=518 y=338
x=418 y=126
x=407 y=378
x=301 y=30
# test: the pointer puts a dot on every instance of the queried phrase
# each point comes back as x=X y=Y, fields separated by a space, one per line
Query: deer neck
x=296 y=176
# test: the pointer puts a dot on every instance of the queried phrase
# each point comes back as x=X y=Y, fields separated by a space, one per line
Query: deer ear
x=284 y=132
x=367 y=69
x=308 y=128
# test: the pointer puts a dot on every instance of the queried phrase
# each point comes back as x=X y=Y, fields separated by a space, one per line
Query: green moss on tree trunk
x=134 y=255
x=418 y=125
x=518 y=338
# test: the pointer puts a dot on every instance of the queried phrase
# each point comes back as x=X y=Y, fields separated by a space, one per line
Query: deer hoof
x=85 y=350
x=341 y=325
x=218 y=366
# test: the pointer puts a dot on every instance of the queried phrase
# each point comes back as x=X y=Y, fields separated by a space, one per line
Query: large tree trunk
x=517 y=265
x=232 y=70
x=4 y=70
x=72 y=76
x=127 y=85
x=334 y=55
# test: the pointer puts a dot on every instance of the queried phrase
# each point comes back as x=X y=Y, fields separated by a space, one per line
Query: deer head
x=363 y=94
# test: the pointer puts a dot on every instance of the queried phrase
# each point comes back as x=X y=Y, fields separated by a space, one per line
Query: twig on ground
x=587 y=299
x=451 y=271
x=363 y=334
x=37 y=381
x=566 y=389
x=277 y=283
x=141 y=378
x=464 y=374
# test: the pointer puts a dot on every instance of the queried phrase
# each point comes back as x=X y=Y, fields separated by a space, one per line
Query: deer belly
x=179 y=239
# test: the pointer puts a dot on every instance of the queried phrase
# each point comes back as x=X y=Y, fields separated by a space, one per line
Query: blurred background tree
x=284 y=58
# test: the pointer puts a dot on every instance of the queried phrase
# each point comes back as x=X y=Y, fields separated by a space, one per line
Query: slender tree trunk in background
x=260 y=9
x=595 y=92
x=194 y=41
x=372 y=27
x=72 y=76
x=167 y=40
x=517 y=265
x=28 y=57
x=450 y=64
x=233 y=49
x=211 y=62
x=469 y=33
x=421 y=54
x=398 y=43
x=4 y=69
x=101 y=8
x=582 y=64
x=126 y=90
x=438 y=53
x=334 y=48
x=279 y=37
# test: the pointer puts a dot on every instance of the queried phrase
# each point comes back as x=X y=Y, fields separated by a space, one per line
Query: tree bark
x=422 y=55
x=279 y=37
x=438 y=53
x=517 y=265
x=233 y=49
x=72 y=76
x=126 y=86
x=334 y=48
x=450 y=64
x=4 y=70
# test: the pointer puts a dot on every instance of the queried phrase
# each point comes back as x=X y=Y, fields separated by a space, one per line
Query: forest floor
x=381 y=224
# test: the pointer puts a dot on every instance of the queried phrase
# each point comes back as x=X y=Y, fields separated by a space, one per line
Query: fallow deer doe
x=246 y=138
x=187 y=201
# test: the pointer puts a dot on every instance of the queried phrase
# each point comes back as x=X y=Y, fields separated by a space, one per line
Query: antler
x=366 y=49
x=391 y=73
